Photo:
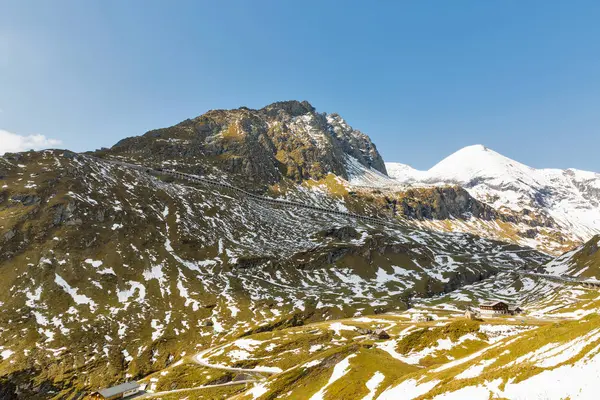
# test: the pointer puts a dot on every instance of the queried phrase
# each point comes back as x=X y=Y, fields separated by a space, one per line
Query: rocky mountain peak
x=293 y=108
x=284 y=140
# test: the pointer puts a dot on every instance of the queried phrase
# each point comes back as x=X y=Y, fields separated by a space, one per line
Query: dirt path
x=199 y=359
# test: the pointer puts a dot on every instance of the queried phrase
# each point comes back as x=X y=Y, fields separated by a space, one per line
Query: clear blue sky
x=422 y=78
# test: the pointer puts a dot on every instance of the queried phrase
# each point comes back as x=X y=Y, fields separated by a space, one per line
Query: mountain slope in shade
x=566 y=200
x=583 y=261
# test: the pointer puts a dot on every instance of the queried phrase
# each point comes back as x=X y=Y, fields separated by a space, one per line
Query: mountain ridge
x=288 y=139
x=569 y=200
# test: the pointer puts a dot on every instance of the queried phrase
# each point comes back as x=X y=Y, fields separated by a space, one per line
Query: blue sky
x=422 y=78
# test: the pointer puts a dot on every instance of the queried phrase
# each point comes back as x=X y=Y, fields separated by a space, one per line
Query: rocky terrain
x=113 y=272
x=256 y=147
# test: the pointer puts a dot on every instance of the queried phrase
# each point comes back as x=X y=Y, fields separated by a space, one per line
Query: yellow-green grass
x=188 y=376
x=218 y=393
x=331 y=182
x=426 y=337
x=503 y=366
x=363 y=366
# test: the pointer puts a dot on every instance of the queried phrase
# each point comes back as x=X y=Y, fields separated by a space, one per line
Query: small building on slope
x=380 y=334
x=493 y=308
x=122 y=391
x=515 y=310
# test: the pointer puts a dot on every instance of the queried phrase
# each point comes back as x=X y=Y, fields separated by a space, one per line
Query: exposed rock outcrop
x=287 y=139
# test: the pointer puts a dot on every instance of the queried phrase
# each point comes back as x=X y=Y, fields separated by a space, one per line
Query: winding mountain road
x=200 y=360
x=293 y=204
x=264 y=199
x=192 y=389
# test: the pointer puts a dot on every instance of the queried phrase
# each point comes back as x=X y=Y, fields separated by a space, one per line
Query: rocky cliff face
x=454 y=209
x=442 y=203
x=283 y=140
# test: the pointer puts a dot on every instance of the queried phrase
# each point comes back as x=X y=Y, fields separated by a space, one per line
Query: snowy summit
x=570 y=197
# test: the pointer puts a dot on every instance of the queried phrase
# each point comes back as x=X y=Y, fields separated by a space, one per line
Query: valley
x=441 y=356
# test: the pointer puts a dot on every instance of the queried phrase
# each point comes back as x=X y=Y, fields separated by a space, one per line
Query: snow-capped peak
x=475 y=162
x=571 y=197
x=465 y=165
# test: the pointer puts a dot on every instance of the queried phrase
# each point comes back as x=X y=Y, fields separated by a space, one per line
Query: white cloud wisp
x=12 y=142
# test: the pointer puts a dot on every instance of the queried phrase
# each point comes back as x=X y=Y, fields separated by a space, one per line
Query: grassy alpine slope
x=117 y=274
x=111 y=274
x=545 y=353
x=582 y=261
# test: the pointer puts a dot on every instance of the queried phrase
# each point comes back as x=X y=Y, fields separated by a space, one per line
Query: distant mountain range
x=550 y=204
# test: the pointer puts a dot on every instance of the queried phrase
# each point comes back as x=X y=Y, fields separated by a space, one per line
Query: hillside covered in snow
x=543 y=202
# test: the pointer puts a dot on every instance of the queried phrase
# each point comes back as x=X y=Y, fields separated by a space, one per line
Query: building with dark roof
x=121 y=391
x=494 y=308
